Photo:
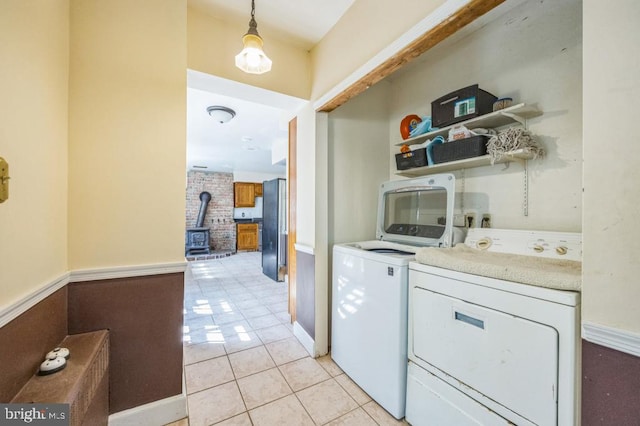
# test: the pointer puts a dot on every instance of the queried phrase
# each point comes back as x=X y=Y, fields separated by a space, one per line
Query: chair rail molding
x=14 y=310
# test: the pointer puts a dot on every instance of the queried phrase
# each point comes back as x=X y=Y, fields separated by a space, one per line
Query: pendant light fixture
x=252 y=59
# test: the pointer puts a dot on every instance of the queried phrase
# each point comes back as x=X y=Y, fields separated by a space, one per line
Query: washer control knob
x=538 y=248
x=484 y=243
x=561 y=250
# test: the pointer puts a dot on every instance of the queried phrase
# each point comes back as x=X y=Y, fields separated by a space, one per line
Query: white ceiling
x=301 y=23
x=245 y=143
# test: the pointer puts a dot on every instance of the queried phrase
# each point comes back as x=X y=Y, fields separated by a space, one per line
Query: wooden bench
x=83 y=383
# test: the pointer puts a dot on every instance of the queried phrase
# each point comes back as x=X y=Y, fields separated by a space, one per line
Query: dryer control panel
x=555 y=245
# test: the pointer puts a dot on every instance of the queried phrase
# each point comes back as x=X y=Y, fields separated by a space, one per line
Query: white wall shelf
x=514 y=114
x=520 y=155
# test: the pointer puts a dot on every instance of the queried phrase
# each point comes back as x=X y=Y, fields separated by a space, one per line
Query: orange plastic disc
x=408 y=124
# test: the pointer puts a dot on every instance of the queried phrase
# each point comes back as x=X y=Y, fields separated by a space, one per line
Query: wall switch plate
x=4 y=180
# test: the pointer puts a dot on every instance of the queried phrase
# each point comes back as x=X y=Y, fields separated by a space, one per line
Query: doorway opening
x=237 y=159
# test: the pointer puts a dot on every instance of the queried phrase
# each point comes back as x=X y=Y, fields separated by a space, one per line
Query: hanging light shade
x=252 y=59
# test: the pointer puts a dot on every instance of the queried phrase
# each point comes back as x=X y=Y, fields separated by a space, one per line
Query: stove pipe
x=205 y=197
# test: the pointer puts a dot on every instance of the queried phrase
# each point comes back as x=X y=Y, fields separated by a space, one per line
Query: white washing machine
x=489 y=351
x=370 y=285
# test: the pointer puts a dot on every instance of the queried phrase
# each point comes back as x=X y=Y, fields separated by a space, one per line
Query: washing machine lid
x=385 y=247
x=378 y=251
x=417 y=211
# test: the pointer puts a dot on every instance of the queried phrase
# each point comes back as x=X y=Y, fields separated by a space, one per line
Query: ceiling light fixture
x=221 y=114
x=252 y=59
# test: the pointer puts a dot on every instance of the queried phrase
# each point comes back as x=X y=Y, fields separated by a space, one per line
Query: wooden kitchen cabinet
x=258 y=189
x=244 y=194
x=247 y=236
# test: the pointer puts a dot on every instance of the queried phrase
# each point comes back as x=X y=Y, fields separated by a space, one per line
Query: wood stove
x=197 y=238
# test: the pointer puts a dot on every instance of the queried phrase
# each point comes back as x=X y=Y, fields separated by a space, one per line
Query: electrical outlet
x=486 y=221
x=470 y=220
x=459 y=220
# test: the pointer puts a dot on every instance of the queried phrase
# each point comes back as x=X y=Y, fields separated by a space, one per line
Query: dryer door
x=509 y=359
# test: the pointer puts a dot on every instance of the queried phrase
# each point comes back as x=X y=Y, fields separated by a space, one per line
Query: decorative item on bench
x=54 y=361
x=512 y=139
x=461 y=105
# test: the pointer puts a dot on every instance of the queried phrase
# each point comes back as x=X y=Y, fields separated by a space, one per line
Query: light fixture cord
x=253 y=25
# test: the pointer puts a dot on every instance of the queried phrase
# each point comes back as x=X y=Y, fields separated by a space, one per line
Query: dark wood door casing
x=291 y=220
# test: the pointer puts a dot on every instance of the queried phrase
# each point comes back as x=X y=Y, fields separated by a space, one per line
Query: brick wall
x=219 y=217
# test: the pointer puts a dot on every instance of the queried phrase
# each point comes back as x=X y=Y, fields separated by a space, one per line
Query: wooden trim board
x=447 y=27
x=291 y=222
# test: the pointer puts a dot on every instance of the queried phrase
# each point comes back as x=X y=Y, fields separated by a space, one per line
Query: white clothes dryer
x=485 y=350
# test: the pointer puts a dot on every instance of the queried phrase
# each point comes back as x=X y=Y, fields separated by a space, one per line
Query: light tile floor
x=244 y=366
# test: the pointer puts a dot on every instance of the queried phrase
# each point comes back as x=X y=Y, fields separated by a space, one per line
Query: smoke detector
x=221 y=114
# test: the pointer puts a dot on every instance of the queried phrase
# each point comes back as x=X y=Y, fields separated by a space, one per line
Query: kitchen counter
x=255 y=220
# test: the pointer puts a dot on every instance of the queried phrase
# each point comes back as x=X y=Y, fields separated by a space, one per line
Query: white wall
x=321 y=234
x=241 y=176
x=611 y=271
x=306 y=178
x=34 y=114
x=279 y=150
x=364 y=30
x=533 y=54
x=358 y=164
x=127 y=132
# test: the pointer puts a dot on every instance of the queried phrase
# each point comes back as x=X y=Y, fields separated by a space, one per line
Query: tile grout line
x=264 y=344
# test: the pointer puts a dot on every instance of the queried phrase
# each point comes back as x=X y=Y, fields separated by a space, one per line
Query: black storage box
x=474 y=146
x=411 y=159
x=461 y=105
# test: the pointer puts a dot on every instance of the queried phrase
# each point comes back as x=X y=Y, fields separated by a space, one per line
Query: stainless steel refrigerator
x=274 y=229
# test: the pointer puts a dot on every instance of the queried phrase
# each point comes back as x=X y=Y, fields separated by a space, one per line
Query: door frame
x=291 y=210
